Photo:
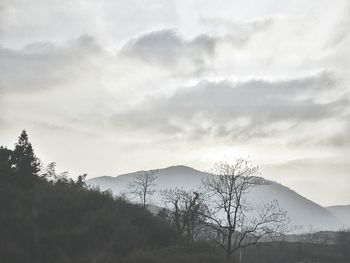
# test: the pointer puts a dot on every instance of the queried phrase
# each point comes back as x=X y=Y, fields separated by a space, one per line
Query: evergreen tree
x=25 y=162
x=5 y=162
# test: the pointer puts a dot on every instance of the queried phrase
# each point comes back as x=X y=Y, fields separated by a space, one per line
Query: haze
x=107 y=87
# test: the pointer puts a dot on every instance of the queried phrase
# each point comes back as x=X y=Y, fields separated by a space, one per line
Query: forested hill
x=49 y=218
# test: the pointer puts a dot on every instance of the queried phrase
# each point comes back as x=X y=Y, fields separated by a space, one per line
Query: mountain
x=342 y=212
x=302 y=212
x=175 y=176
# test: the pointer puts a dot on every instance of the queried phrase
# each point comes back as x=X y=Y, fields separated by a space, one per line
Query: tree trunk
x=229 y=245
x=144 y=199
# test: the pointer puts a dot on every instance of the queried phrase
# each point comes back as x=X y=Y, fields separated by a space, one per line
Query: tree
x=25 y=162
x=6 y=168
x=143 y=185
x=49 y=172
x=80 y=183
x=237 y=223
x=186 y=212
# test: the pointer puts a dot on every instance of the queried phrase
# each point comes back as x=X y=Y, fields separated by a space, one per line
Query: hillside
x=342 y=212
x=302 y=212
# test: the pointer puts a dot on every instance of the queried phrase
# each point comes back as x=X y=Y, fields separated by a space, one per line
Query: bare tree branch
x=238 y=223
x=143 y=185
x=186 y=208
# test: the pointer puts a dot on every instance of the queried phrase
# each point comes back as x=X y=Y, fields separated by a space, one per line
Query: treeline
x=47 y=217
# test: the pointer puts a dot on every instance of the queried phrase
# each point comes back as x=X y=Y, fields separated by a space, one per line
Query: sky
x=108 y=87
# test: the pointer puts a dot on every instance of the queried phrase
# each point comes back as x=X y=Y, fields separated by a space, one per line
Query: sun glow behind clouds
x=125 y=85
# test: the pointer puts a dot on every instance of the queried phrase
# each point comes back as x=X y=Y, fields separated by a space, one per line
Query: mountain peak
x=180 y=167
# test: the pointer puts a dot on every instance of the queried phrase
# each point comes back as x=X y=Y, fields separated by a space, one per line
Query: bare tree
x=143 y=185
x=186 y=212
x=237 y=223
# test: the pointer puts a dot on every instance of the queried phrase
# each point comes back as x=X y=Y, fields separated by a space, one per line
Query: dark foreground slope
x=45 y=217
x=285 y=252
x=65 y=222
x=49 y=218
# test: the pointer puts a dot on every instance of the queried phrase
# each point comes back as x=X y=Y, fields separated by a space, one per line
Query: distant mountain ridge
x=302 y=211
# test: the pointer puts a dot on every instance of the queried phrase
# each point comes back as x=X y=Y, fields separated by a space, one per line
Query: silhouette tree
x=186 y=212
x=239 y=224
x=26 y=164
x=49 y=172
x=80 y=183
x=143 y=185
x=5 y=162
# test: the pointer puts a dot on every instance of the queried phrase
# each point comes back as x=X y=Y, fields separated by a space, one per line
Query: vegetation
x=143 y=185
x=227 y=188
x=185 y=209
x=48 y=217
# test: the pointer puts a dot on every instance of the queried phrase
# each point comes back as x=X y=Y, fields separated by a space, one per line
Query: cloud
x=148 y=83
x=341 y=29
x=168 y=48
x=163 y=47
x=246 y=109
x=42 y=65
x=237 y=29
x=340 y=138
x=23 y=21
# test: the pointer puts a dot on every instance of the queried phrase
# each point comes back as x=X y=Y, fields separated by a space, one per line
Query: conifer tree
x=25 y=162
x=5 y=161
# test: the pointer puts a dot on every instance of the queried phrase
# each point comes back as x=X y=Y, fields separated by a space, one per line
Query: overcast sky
x=107 y=87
